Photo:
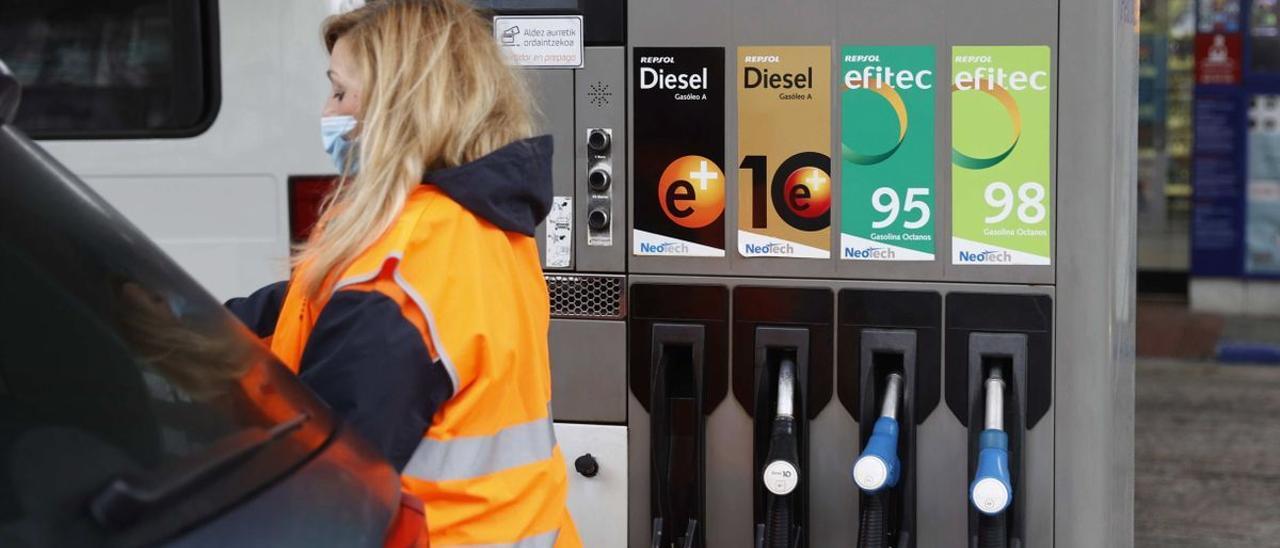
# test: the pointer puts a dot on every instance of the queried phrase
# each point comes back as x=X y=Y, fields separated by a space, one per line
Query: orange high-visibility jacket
x=456 y=282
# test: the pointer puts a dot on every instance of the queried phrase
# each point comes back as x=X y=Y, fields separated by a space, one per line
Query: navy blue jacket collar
x=510 y=187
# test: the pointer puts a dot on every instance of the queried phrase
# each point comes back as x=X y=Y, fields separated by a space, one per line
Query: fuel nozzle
x=781 y=474
x=991 y=491
x=877 y=468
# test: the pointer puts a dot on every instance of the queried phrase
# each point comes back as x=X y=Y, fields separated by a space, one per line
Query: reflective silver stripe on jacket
x=545 y=540
x=468 y=457
x=417 y=301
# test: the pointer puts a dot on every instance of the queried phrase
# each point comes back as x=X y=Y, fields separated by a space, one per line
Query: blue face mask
x=334 y=130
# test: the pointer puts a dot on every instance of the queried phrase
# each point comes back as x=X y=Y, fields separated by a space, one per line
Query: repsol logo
x=762 y=59
x=995 y=257
x=874 y=253
x=775 y=248
x=657 y=60
x=862 y=58
x=973 y=58
x=668 y=248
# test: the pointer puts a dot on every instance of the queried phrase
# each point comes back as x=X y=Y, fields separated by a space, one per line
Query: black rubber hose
x=777 y=529
x=660 y=454
x=873 y=526
x=992 y=532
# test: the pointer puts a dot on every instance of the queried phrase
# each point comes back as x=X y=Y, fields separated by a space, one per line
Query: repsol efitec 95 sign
x=887 y=103
x=679 y=186
x=784 y=136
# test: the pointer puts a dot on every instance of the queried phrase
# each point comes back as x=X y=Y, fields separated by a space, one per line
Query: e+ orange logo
x=691 y=191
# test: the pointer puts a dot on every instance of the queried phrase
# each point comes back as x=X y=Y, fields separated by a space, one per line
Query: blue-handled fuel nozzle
x=992 y=491
x=877 y=468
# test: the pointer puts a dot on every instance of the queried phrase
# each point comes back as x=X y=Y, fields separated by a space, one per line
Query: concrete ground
x=1207 y=453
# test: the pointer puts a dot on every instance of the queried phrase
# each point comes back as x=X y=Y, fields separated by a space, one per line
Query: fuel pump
x=782 y=366
x=678 y=347
x=999 y=384
x=998 y=495
x=781 y=474
x=888 y=379
x=991 y=492
x=878 y=469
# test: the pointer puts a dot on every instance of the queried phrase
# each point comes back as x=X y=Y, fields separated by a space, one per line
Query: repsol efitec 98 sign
x=679 y=185
x=887 y=134
x=1000 y=202
x=784 y=135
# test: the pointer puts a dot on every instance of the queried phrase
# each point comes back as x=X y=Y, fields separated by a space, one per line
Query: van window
x=112 y=69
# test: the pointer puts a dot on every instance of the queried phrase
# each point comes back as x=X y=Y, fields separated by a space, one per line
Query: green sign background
x=982 y=132
x=870 y=129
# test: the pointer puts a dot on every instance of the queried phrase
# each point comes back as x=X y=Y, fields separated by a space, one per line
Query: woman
x=418 y=310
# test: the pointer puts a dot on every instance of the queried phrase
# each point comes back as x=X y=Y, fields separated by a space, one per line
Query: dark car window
x=132 y=404
x=112 y=68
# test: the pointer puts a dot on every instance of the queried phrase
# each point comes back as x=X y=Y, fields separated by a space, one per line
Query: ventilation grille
x=587 y=296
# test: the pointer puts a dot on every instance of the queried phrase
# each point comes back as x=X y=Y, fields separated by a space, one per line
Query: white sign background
x=541 y=41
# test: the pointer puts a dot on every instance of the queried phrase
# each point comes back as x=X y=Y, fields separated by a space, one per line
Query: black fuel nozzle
x=781 y=474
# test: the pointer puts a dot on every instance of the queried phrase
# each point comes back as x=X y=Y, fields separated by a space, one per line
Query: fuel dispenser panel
x=782 y=341
x=601 y=189
x=588 y=370
x=678 y=376
x=801 y=200
x=888 y=376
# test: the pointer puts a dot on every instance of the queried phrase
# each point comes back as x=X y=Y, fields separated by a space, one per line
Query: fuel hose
x=873 y=530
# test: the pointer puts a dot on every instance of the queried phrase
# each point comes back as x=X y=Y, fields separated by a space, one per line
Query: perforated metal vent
x=599 y=94
x=587 y=296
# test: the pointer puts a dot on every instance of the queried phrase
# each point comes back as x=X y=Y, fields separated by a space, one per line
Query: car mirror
x=10 y=94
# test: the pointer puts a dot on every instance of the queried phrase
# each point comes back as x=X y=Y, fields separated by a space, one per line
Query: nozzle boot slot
x=677 y=436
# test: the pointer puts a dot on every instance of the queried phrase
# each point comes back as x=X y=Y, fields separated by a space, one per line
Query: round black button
x=599 y=179
x=598 y=140
x=587 y=466
x=598 y=219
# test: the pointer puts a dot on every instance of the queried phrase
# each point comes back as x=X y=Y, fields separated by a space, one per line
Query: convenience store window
x=1166 y=84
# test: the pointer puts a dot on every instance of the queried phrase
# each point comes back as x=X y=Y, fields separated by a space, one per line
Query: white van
x=189 y=116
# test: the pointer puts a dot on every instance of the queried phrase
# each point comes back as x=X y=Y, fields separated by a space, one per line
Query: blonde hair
x=438 y=93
